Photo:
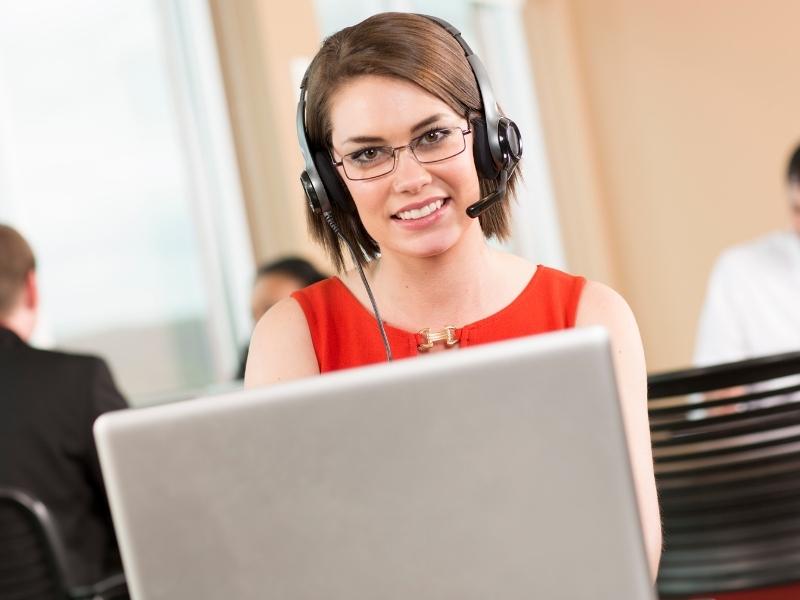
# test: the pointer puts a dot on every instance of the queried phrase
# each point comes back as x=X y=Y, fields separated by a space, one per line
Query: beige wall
x=258 y=40
x=669 y=123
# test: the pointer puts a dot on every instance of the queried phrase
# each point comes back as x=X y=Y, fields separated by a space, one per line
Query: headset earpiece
x=322 y=185
x=481 y=150
x=312 y=198
x=338 y=193
x=510 y=141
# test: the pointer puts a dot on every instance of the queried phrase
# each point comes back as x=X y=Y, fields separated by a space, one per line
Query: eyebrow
x=369 y=139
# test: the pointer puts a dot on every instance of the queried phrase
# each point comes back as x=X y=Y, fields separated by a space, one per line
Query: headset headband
x=490 y=113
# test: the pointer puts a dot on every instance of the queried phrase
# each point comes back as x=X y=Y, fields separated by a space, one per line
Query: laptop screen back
x=499 y=471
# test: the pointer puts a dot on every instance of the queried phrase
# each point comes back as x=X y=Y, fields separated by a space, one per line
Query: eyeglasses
x=432 y=146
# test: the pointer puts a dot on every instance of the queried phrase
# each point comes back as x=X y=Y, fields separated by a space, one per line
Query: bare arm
x=600 y=305
x=281 y=348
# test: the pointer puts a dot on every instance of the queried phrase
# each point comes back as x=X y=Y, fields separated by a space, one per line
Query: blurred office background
x=148 y=152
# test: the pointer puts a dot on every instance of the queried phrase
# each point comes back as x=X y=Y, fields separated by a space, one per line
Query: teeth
x=418 y=213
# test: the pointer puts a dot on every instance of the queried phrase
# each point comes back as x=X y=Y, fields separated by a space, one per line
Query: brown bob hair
x=404 y=46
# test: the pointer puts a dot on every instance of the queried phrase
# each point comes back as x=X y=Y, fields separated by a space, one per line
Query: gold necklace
x=427 y=338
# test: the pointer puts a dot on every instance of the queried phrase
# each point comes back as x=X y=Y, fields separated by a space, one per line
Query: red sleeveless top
x=345 y=333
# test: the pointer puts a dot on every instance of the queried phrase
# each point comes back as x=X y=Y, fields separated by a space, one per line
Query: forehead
x=382 y=107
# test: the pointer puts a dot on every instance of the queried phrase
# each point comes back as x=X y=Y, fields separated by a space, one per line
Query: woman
x=395 y=109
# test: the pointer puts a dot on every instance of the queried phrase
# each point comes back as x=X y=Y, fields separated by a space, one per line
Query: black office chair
x=726 y=444
x=32 y=558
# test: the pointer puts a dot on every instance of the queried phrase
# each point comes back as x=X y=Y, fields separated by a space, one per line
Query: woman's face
x=418 y=209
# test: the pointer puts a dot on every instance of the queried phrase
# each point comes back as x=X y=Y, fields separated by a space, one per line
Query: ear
x=30 y=296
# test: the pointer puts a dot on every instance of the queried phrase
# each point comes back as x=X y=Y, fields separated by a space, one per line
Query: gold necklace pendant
x=428 y=338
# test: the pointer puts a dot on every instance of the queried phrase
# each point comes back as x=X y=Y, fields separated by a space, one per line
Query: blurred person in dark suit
x=48 y=404
x=275 y=281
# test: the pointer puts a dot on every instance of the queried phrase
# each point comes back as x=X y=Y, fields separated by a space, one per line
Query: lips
x=416 y=211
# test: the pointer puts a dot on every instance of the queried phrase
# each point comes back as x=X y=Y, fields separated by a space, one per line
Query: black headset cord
x=332 y=224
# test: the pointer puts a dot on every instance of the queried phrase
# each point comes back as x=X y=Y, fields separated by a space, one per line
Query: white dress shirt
x=752 y=305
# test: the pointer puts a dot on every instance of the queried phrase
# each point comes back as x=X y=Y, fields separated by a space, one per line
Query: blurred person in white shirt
x=752 y=305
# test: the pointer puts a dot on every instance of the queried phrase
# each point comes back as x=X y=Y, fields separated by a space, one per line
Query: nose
x=409 y=175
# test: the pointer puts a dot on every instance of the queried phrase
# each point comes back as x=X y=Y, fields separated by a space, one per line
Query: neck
x=20 y=323
x=448 y=289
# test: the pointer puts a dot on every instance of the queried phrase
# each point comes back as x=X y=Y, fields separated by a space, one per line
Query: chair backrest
x=30 y=552
x=726 y=444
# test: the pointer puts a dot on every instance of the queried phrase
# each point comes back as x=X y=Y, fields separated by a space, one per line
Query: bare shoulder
x=601 y=305
x=281 y=348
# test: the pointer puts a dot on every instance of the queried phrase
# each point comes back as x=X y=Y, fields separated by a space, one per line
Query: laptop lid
x=497 y=471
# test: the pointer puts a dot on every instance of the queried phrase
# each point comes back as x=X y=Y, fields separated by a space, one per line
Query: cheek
x=364 y=195
x=369 y=199
x=465 y=176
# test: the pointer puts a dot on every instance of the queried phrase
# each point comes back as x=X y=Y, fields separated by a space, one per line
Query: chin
x=435 y=242
x=433 y=252
x=430 y=250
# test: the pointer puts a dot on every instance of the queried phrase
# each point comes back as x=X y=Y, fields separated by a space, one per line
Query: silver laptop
x=498 y=471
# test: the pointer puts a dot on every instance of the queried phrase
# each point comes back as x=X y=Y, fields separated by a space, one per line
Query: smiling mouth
x=419 y=213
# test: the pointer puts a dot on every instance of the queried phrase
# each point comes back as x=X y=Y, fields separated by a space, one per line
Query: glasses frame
x=410 y=145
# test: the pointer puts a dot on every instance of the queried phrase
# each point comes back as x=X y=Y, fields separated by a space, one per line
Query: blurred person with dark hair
x=275 y=281
x=48 y=404
x=751 y=306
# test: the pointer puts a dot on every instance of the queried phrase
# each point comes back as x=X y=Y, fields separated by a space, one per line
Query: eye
x=367 y=155
x=434 y=136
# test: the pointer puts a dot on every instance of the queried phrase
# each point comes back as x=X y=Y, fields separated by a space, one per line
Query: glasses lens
x=369 y=163
x=432 y=146
x=438 y=144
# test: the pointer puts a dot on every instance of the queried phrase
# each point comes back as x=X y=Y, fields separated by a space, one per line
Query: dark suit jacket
x=48 y=403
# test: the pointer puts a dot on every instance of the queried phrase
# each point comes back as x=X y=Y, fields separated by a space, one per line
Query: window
x=116 y=163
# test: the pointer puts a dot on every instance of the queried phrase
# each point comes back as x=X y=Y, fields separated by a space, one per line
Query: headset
x=497 y=148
